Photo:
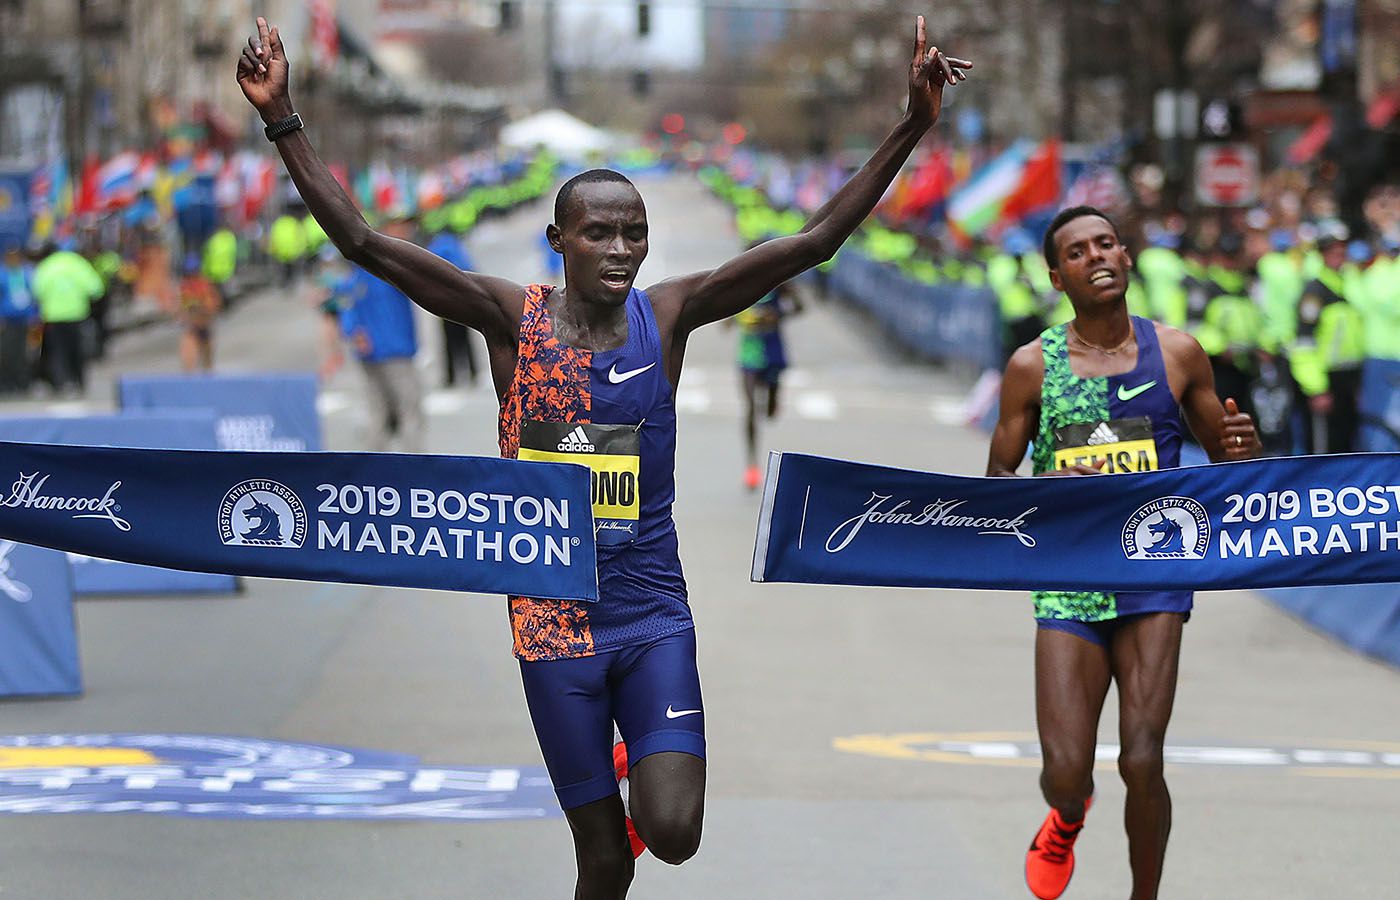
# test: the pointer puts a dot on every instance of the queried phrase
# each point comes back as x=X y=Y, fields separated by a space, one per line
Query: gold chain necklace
x=1104 y=350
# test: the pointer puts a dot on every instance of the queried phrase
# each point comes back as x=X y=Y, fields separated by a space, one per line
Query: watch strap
x=284 y=126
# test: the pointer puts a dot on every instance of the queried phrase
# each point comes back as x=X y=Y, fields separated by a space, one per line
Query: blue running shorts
x=1100 y=632
x=652 y=692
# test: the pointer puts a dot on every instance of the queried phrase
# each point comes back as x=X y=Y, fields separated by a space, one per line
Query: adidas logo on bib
x=577 y=441
x=1102 y=435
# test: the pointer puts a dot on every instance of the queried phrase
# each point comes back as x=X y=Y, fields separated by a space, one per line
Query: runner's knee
x=672 y=837
x=1067 y=775
x=1140 y=762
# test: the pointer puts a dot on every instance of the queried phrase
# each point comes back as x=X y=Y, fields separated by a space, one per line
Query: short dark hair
x=1063 y=218
x=592 y=176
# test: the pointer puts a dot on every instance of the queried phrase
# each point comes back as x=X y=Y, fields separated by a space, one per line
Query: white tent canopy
x=567 y=137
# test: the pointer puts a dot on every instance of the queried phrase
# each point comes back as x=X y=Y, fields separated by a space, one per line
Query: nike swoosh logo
x=617 y=377
x=677 y=713
x=1125 y=394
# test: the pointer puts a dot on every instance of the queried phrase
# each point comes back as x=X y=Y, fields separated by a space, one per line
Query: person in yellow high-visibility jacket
x=286 y=243
x=1327 y=354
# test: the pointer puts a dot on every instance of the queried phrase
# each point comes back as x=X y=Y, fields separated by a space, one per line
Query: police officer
x=1327 y=354
x=1021 y=317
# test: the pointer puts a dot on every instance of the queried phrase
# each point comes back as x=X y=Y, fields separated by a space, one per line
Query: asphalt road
x=863 y=743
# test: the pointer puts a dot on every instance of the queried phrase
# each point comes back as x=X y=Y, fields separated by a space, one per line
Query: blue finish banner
x=1263 y=523
x=443 y=522
x=38 y=641
x=175 y=429
x=255 y=412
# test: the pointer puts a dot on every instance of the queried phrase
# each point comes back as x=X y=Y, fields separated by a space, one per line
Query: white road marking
x=948 y=411
x=816 y=405
x=67 y=408
x=441 y=403
x=328 y=403
x=798 y=378
x=692 y=399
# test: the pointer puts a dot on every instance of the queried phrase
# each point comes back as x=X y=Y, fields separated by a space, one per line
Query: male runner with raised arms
x=587 y=372
x=1106 y=392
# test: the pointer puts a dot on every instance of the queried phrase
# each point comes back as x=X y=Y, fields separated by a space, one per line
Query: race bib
x=1123 y=445
x=613 y=455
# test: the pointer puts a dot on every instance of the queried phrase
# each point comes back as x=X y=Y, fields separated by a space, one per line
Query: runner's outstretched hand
x=1238 y=438
x=929 y=71
x=1077 y=469
x=262 y=73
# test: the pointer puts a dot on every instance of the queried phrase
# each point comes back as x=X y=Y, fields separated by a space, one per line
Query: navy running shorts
x=652 y=692
x=1100 y=632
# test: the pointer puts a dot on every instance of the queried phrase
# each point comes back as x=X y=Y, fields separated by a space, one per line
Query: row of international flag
x=1023 y=183
x=241 y=185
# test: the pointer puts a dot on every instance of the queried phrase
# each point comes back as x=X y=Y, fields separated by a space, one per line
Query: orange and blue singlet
x=629 y=658
x=627 y=395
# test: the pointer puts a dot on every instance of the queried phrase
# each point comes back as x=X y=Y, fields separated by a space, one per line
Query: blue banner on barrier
x=939 y=321
x=38 y=642
x=255 y=412
x=445 y=522
x=1364 y=616
x=177 y=429
x=1263 y=523
x=1380 y=406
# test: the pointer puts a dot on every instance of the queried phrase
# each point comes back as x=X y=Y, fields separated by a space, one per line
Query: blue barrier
x=255 y=412
x=1363 y=616
x=175 y=429
x=1380 y=406
x=38 y=641
x=937 y=321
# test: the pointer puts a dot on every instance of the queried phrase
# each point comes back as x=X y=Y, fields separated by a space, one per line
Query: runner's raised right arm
x=488 y=304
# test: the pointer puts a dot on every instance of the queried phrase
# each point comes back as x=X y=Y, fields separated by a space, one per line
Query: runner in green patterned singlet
x=1106 y=393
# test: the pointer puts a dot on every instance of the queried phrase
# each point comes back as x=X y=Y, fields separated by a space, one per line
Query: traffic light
x=641 y=83
x=643 y=18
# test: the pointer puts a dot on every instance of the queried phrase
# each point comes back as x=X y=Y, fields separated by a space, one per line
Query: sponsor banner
x=255 y=412
x=444 y=522
x=1263 y=523
x=217 y=776
x=38 y=643
x=175 y=429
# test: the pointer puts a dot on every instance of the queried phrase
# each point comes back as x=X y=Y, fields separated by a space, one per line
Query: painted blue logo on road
x=233 y=777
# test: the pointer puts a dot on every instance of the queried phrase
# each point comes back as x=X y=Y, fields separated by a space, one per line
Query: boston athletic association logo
x=261 y=513
x=1167 y=528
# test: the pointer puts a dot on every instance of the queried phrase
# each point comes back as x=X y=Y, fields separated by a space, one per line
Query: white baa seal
x=262 y=513
x=1167 y=528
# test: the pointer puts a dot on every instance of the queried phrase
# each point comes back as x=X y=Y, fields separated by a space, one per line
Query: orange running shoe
x=752 y=478
x=620 y=767
x=1050 y=860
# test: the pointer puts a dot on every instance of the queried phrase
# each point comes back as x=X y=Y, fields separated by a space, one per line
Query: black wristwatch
x=284 y=126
